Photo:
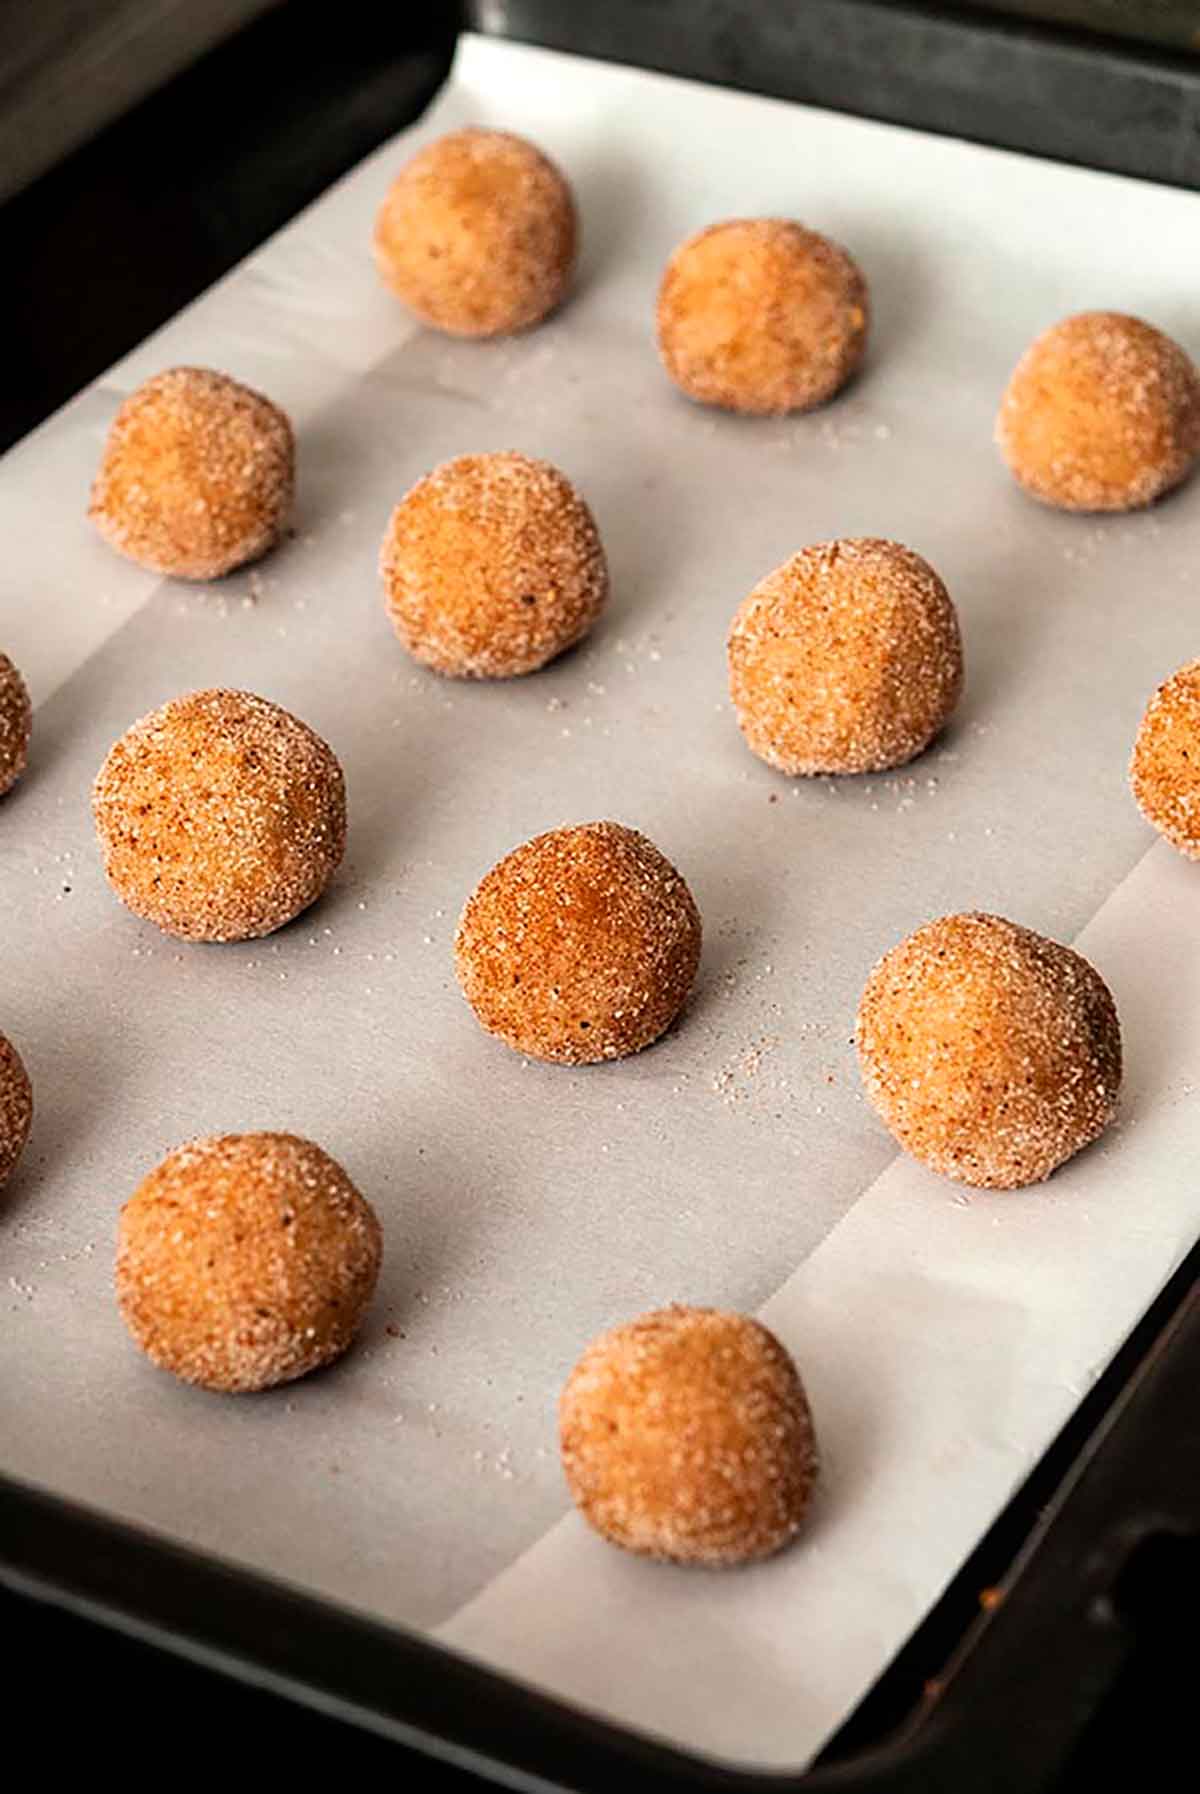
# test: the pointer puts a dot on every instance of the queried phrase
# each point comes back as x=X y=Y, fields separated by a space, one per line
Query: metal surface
x=67 y=67
x=1175 y=23
x=979 y=76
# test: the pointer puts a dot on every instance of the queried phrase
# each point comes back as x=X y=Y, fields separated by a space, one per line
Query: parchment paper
x=944 y=1337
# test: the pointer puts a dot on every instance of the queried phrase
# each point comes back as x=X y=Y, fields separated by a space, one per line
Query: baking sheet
x=944 y=1335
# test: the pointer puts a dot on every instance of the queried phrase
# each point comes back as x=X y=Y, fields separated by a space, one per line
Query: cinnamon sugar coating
x=16 y=1108
x=196 y=476
x=492 y=565
x=477 y=234
x=16 y=724
x=1165 y=770
x=991 y=1053
x=220 y=816
x=246 y=1260
x=1102 y=414
x=686 y=1435
x=579 y=946
x=761 y=315
x=846 y=659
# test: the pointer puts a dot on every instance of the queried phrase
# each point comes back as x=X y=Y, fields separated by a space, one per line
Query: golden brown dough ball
x=760 y=315
x=845 y=659
x=686 y=1435
x=992 y=1053
x=477 y=234
x=579 y=946
x=16 y=723
x=246 y=1260
x=491 y=566
x=1101 y=414
x=1165 y=773
x=220 y=816
x=196 y=477
x=16 y=1108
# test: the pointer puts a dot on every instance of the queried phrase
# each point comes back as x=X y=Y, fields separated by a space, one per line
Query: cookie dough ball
x=686 y=1435
x=477 y=234
x=491 y=566
x=579 y=946
x=220 y=816
x=1165 y=773
x=992 y=1053
x=196 y=477
x=845 y=659
x=16 y=722
x=760 y=315
x=246 y=1260
x=1101 y=414
x=16 y=1108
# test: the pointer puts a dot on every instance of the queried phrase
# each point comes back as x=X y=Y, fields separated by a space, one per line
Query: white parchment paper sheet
x=944 y=1337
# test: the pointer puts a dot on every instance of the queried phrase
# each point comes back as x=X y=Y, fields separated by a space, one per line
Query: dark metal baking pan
x=1095 y=1552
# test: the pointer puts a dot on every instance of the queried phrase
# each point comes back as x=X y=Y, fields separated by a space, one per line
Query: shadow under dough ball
x=246 y=1260
x=491 y=566
x=1102 y=414
x=760 y=315
x=846 y=659
x=16 y=1108
x=1165 y=771
x=220 y=816
x=580 y=945
x=992 y=1053
x=477 y=234
x=16 y=724
x=196 y=477
x=686 y=1435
